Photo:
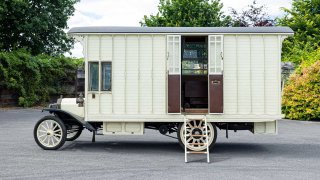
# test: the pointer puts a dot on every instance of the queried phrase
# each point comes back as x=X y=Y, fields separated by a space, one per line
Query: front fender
x=68 y=117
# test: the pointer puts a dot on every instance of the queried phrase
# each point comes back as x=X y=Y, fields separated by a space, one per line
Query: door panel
x=174 y=73
x=174 y=94
x=216 y=93
x=215 y=74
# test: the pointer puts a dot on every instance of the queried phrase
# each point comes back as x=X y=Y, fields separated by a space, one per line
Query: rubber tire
x=76 y=135
x=210 y=146
x=63 y=137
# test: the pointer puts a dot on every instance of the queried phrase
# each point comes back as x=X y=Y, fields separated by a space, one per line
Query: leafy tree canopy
x=186 y=13
x=254 y=15
x=304 y=19
x=301 y=96
x=36 y=78
x=36 y=25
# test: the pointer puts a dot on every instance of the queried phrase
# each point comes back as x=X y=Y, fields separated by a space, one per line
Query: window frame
x=102 y=77
x=174 y=58
x=213 y=61
x=89 y=76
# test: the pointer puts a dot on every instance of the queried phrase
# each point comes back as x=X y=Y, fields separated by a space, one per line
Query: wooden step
x=200 y=135
x=196 y=110
x=188 y=120
x=197 y=143
x=197 y=152
x=197 y=127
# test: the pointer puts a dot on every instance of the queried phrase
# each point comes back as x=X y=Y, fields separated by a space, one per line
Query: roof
x=165 y=30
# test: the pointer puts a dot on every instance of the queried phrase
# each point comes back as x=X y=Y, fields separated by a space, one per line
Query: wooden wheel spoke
x=56 y=125
x=47 y=124
x=59 y=130
x=200 y=123
x=56 y=138
x=45 y=128
x=189 y=125
x=42 y=135
x=188 y=140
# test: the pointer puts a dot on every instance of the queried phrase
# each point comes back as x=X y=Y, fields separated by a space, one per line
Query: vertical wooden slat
x=139 y=74
x=279 y=74
x=250 y=68
x=125 y=74
x=237 y=73
x=99 y=76
x=264 y=74
x=86 y=72
x=152 y=75
x=112 y=72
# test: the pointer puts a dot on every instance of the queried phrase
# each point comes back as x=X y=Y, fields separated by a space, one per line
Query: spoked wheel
x=73 y=131
x=50 y=133
x=196 y=127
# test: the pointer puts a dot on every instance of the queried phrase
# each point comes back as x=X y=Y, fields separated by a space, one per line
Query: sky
x=131 y=12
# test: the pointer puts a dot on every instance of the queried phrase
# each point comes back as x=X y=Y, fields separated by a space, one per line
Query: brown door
x=174 y=73
x=215 y=48
x=174 y=94
x=216 y=93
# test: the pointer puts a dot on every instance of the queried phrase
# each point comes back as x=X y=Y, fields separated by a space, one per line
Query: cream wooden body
x=252 y=90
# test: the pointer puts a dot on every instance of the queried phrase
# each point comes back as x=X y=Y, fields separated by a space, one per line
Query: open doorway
x=194 y=74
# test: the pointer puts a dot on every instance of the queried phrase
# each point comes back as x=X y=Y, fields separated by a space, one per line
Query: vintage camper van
x=184 y=80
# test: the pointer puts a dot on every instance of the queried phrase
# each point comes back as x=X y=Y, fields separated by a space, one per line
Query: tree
x=36 y=25
x=254 y=15
x=304 y=19
x=301 y=96
x=186 y=13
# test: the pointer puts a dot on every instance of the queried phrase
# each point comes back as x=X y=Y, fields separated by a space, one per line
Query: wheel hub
x=50 y=133
x=197 y=131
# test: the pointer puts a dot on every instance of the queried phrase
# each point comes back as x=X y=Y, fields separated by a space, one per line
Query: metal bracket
x=94 y=136
x=227 y=129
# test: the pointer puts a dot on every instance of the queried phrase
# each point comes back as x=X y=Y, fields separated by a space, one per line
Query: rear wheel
x=50 y=133
x=73 y=131
x=196 y=127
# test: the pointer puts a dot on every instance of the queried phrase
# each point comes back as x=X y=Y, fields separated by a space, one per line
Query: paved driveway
x=293 y=154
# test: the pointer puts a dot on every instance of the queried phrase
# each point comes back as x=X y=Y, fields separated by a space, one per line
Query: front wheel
x=196 y=127
x=50 y=133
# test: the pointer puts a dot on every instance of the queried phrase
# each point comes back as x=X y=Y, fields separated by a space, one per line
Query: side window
x=105 y=76
x=93 y=76
x=215 y=54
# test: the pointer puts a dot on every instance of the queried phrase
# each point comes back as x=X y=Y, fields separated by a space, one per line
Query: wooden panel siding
x=141 y=84
x=138 y=74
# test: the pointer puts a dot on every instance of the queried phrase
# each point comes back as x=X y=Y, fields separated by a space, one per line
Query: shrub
x=301 y=96
x=35 y=78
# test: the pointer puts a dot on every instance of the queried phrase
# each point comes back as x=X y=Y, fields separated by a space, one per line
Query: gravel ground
x=292 y=154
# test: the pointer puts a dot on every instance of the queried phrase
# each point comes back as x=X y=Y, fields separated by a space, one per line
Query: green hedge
x=301 y=96
x=35 y=78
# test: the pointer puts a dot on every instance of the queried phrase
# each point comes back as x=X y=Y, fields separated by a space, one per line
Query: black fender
x=68 y=117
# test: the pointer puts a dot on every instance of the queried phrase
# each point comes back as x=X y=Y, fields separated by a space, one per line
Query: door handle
x=215 y=82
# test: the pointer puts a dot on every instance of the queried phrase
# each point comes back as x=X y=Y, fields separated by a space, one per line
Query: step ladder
x=188 y=151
